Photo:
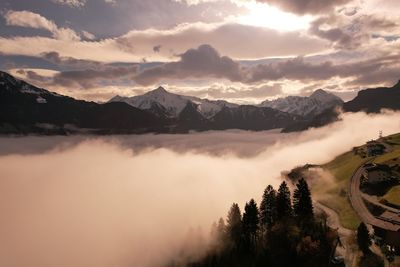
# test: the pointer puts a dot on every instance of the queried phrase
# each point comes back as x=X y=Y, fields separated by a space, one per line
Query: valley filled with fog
x=130 y=200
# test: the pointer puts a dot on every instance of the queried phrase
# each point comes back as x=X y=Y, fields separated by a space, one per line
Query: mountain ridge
x=25 y=108
x=310 y=106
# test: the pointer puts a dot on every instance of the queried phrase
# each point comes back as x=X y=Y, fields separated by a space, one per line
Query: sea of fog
x=86 y=201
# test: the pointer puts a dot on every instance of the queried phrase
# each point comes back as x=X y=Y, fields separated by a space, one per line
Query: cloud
x=204 y=61
x=224 y=37
x=54 y=57
x=354 y=32
x=29 y=19
x=111 y=2
x=157 y=48
x=243 y=82
x=71 y=3
x=139 y=44
x=88 y=35
x=306 y=6
x=83 y=79
x=89 y=78
x=383 y=68
x=99 y=201
x=238 y=93
x=336 y=35
x=34 y=20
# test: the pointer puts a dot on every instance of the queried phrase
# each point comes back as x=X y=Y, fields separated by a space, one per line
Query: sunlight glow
x=264 y=15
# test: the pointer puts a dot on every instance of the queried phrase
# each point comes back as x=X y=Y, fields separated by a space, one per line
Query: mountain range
x=311 y=106
x=25 y=109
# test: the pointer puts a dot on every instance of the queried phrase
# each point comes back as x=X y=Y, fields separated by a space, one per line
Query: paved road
x=358 y=204
x=375 y=200
x=333 y=221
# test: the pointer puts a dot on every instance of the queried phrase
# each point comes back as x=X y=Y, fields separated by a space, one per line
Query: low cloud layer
x=129 y=201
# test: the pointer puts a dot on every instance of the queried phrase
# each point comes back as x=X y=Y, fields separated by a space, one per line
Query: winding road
x=333 y=221
x=357 y=202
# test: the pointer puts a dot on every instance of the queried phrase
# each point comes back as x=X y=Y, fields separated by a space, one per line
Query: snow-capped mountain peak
x=172 y=103
x=315 y=104
x=8 y=82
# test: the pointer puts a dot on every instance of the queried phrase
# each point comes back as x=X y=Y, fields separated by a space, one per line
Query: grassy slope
x=335 y=196
x=393 y=196
x=392 y=158
x=342 y=167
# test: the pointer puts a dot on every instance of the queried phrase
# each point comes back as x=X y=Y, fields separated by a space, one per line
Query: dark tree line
x=280 y=232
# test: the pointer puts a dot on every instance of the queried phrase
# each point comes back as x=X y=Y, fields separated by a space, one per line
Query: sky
x=243 y=51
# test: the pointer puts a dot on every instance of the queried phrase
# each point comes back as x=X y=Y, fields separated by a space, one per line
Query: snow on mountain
x=313 y=105
x=8 y=82
x=173 y=104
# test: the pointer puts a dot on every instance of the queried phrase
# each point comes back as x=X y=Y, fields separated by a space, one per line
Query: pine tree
x=283 y=202
x=221 y=231
x=234 y=226
x=251 y=222
x=363 y=238
x=268 y=208
x=302 y=202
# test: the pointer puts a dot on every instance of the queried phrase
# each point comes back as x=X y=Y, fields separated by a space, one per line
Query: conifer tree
x=268 y=208
x=251 y=222
x=302 y=202
x=234 y=226
x=363 y=238
x=283 y=202
x=221 y=232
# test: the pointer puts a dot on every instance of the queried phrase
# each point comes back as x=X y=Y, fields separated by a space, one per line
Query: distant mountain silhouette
x=25 y=108
x=308 y=107
x=373 y=100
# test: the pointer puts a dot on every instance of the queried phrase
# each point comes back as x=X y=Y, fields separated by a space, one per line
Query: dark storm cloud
x=204 y=61
x=306 y=6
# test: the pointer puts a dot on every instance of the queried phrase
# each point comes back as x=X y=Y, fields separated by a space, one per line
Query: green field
x=342 y=167
x=393 y=196
x=335 y=196
x=390 y=158
x=393 y=139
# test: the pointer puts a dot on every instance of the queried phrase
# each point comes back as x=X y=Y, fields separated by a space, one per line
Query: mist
x=130 y=200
